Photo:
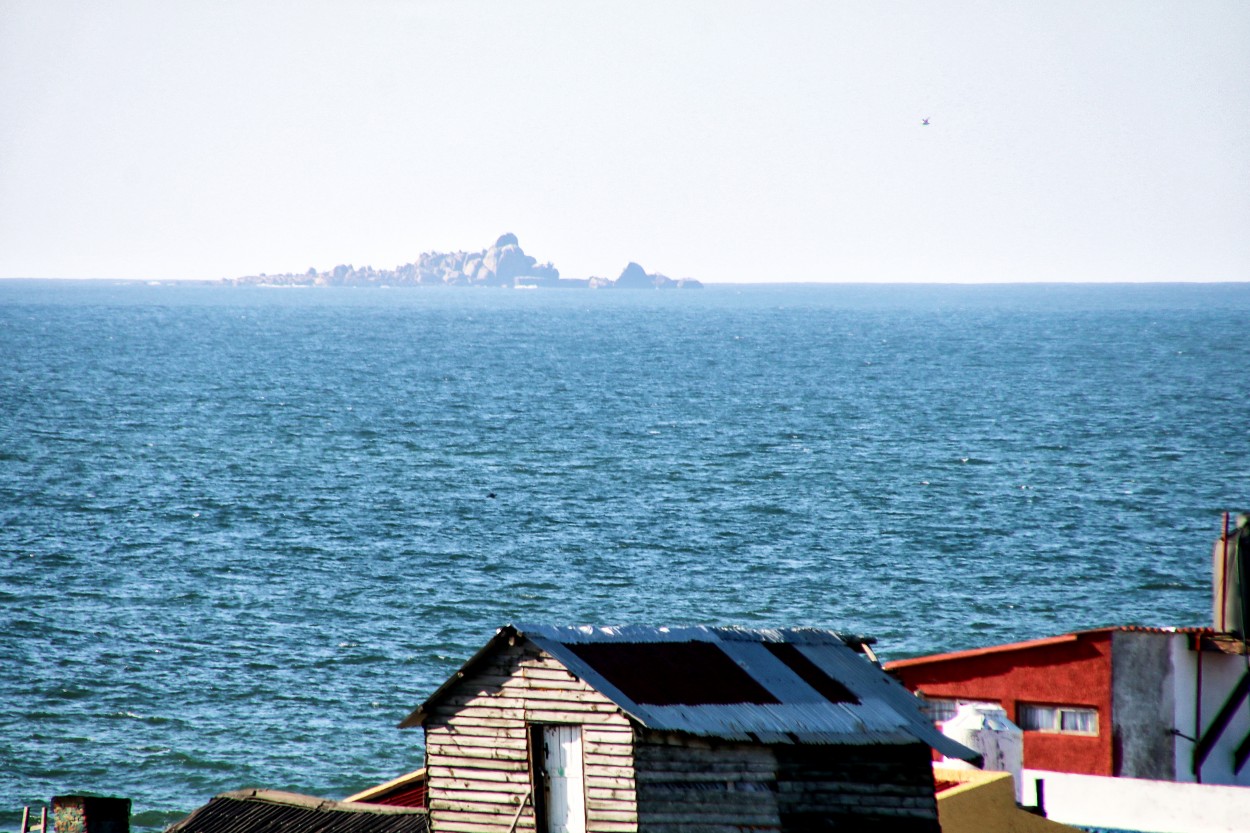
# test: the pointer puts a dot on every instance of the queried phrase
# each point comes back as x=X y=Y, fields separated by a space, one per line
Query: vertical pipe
x=25 y=819
x=1198 y=712
x=1221 y=620
x=43 y=820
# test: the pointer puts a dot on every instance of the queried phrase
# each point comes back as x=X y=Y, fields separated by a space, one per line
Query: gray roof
x=801 y=685
x=267 y=811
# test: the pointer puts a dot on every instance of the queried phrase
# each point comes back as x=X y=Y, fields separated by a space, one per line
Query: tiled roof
x=789 y=685
x=1040 y=643
x=266 y=811
x=1149 y=629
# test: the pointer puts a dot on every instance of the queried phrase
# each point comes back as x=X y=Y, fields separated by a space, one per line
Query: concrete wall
x=1138 y=804
x=985 y=802
x=1143 y=704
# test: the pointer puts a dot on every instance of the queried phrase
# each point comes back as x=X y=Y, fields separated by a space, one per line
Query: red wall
x=1075 y=673
x=412 y=797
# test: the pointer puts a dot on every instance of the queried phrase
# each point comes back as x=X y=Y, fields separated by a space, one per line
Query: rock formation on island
x=635 y=277
x=503 y=264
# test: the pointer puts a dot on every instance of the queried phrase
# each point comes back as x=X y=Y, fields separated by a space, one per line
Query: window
x=1071 y=720
x=938 y=710
x=942 y=709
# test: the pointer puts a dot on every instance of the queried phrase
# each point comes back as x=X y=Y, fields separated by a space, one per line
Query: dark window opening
x=673 y=673
x=810 y=673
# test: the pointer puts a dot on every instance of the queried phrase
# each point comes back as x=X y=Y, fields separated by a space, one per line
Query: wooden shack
x=659 y=730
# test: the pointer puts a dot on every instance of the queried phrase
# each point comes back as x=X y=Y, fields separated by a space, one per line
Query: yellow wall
x=985 y=802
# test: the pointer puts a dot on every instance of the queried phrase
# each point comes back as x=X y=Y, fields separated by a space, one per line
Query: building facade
x=1165 y=704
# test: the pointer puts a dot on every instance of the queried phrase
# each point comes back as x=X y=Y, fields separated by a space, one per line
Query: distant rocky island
x=503 y=264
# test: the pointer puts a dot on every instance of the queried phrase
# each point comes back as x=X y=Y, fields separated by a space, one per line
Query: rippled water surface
x=243 y=531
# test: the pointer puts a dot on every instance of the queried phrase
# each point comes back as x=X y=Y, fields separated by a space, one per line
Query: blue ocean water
x=244 y=531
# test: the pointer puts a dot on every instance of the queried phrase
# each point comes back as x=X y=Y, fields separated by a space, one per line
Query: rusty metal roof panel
x=822 y=690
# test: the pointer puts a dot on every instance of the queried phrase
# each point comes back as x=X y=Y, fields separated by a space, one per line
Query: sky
x=725 y=141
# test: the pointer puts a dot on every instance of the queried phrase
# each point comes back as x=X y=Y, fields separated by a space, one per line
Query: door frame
x=540 y=784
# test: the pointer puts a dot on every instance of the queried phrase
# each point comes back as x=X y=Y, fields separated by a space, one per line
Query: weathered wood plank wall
x=879 y=788
x=684 y=784
x=716 y=787
x=477 y=748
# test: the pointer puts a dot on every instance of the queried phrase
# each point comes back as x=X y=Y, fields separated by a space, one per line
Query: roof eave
x=364 y=796
x=980 y=652
x=417 y=717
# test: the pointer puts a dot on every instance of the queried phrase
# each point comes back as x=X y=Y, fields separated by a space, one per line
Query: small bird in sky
x=924 y=122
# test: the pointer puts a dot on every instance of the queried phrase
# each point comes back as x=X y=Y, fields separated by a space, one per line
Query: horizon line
x=892 y=282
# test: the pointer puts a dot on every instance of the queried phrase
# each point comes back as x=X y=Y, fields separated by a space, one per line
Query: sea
x=245 y=530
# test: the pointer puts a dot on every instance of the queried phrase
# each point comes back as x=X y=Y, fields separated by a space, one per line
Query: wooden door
x=564 y=781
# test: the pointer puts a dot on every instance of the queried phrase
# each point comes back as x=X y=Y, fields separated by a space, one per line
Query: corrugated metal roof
x=264 y=811
x=879 y=710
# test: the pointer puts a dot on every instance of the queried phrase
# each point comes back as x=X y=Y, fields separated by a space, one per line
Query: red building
x=1165 y=704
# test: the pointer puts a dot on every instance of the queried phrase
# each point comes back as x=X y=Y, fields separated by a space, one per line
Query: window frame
x=926 y=703
x=540 y=778
x=1057 y=711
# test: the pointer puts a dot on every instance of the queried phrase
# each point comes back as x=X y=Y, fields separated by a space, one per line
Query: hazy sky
x=720 y=140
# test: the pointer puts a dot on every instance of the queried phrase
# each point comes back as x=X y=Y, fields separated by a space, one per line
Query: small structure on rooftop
x=988 y=730
x=80 y=814
x=617 y=730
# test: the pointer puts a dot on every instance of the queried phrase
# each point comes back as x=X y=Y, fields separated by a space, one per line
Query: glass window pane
x=1035 y=718
x=939 y=711
x=1082 y=720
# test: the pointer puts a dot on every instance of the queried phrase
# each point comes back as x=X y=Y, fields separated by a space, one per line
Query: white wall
x=1220 y=675
x=1137 y=804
